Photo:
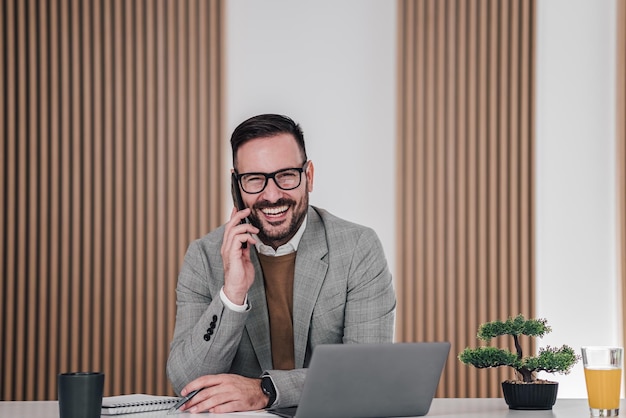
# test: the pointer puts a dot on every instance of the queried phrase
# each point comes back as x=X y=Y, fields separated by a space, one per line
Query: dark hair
x=264 y=126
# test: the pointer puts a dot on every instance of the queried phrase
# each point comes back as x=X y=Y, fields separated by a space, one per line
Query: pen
x=182 y=401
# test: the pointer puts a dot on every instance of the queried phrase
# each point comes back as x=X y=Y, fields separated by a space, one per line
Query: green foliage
x=514 y=326
x=549 y=359
x=553 y=360
x=484 y=357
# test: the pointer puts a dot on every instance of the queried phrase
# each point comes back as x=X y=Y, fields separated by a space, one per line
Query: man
x=255 y=299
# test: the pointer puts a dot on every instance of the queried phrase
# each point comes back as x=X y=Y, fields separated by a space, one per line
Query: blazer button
x=207 y=337
x=214 y=318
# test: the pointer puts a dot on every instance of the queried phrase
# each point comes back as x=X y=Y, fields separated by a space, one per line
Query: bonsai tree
x=551 y=360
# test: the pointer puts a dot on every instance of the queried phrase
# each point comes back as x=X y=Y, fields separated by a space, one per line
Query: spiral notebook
x=128 y=404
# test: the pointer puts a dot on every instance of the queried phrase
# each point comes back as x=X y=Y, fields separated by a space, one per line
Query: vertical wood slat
x=3 y=197
x=465 y=376
x=97 y=143
x=99 y=196
x=140 y=170
x=451 y=197
x=121 y=178
x=130 y=199
x=22 y=179
x=9 y=214
x=465 y=182
x=45 y=289
x=471 y=242
x=33 y=197
x=405 y=67
x=56 y=360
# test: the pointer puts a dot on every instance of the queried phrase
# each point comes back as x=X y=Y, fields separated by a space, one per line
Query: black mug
x=80 y=394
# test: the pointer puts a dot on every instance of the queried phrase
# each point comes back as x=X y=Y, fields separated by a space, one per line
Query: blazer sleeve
x=370 y=300
x=289 y=384
x=206 y=334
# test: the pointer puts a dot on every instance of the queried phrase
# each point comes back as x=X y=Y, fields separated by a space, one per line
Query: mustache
x=267 y=204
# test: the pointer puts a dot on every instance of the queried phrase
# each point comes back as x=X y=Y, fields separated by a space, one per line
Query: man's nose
x=272 y=192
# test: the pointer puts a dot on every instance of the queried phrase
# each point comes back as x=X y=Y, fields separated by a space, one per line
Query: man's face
x=277 y=213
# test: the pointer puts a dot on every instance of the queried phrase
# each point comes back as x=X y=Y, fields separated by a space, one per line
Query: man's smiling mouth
x=275 y=211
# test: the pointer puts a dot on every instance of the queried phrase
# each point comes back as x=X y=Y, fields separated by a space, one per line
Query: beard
x=276 y=234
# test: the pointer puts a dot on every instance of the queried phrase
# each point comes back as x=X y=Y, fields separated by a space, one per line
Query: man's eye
x=254 y=179
x=287 y=175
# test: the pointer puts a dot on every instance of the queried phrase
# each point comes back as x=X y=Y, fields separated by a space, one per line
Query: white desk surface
x=470 y=408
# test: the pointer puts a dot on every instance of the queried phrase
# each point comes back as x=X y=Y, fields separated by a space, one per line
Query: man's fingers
x=226 y=393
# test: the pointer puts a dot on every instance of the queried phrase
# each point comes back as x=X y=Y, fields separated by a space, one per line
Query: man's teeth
x=274 y=211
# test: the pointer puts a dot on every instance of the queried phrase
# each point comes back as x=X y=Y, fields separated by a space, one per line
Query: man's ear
x=310 y=170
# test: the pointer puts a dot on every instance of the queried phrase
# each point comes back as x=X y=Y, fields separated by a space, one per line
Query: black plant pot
x=530 y=396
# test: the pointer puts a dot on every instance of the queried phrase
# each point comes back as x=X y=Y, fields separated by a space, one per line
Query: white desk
x=463 y=408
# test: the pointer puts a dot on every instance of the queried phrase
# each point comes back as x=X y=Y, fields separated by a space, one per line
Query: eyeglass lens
x=286 y=179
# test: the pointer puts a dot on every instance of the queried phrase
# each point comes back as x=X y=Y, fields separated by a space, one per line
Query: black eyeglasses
x=285 y=179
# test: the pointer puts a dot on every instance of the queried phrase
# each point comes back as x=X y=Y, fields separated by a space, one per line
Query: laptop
x=370 y=380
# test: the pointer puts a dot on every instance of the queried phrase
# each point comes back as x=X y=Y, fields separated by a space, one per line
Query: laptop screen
x=370 y=380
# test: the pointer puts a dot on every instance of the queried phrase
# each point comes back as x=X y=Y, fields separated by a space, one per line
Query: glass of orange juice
x=603 y=375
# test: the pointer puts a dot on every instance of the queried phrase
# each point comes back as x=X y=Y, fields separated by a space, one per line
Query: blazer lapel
x=258 y=321
x=311 y=268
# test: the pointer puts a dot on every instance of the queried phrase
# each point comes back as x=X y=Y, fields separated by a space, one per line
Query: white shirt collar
x=288 y=248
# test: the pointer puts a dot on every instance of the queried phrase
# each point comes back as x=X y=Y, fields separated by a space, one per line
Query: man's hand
x=224 y=393
x=238 y=269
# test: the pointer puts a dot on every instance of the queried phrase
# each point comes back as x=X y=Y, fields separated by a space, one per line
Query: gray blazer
x=343 y=293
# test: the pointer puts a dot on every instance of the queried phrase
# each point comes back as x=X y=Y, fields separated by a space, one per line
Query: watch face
x=264 y=388
x=268 y=388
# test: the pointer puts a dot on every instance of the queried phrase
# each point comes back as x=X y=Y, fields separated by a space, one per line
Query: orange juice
x=603 y=387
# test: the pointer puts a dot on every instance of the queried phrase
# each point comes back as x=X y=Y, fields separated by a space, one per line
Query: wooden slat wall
x=465 y=176
x=110 y=124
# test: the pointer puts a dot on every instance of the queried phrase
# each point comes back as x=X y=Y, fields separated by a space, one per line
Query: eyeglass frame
x=272 y=176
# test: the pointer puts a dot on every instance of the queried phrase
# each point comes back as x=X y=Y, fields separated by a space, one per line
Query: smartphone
x=237 y=200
